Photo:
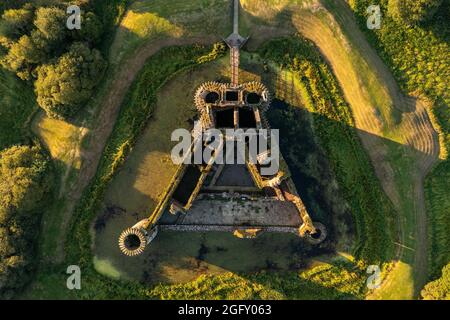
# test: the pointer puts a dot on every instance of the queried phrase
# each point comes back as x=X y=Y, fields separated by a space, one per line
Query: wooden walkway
x=235 y=41
x=234 y=57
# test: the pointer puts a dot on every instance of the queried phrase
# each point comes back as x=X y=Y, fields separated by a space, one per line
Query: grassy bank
x=419 y=58
x=151 y=20
x=339 y=280
x=334 y=126
x=17 y=105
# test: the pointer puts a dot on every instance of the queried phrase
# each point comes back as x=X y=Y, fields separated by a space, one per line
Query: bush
x=24 y=183
x=413 y=12
x=15 y=22
x=35 y=43
x=440 y=288
x=62 y=88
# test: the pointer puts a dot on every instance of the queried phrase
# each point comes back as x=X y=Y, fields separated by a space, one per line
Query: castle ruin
x=192 y=194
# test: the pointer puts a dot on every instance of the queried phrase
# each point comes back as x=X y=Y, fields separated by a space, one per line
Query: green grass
x=337 y=281
x=419 y=57
x=157 y=19
x=340 y=280
x=323 y=282
x=17 y=105
x=334 y=126
x=137 y=109
x=438 y=204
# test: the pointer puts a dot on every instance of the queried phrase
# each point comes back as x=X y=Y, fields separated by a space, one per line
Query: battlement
x=222 y=106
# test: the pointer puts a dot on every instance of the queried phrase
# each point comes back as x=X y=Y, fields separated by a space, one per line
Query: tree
x=62 y=88
x=51 y=23
x=16 y=22
x=25 y=180
x=413 y=12
x=22 y=57
x=7 y=4
x=440 y=288
x=91 y=28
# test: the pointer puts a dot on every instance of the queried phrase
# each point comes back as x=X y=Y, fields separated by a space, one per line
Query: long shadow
x=195 y=253
x=179 y=257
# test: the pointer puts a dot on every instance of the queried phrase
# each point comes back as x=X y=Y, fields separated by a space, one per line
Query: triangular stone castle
x=238 y=198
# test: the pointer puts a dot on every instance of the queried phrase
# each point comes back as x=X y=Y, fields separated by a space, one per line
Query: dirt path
x=381 y=117
x=104 y=124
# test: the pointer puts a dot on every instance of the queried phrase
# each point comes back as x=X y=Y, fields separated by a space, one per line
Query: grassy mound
x=419 y=57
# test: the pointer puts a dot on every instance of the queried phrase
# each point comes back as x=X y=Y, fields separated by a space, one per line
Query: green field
x=152 y=20
x=133 y=193
x=16 y=109
x=420 y=60
x=379 y=115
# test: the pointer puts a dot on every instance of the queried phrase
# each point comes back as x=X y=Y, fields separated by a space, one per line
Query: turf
x=148 y=20
x=17 y=105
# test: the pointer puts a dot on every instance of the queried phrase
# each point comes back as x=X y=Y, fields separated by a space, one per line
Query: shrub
x=16 y=22
x=413 y=12
x=440 y=288
x=62 y=88
x=24 y=183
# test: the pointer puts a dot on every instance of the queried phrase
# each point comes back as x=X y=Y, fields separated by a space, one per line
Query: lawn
x=133 y=194
x=395 y=130
x=149 y=20
x=17 y=105
x=383 y=122
x=419 y=58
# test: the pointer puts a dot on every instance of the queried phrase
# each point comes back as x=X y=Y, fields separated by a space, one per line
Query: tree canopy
x=24 y=183
x=22 y=57
x=413 y=12
x=92 y=28
x=51 y=23
x=36 y=45
x=440 y=288
x=15 y=22
x=62 y=88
